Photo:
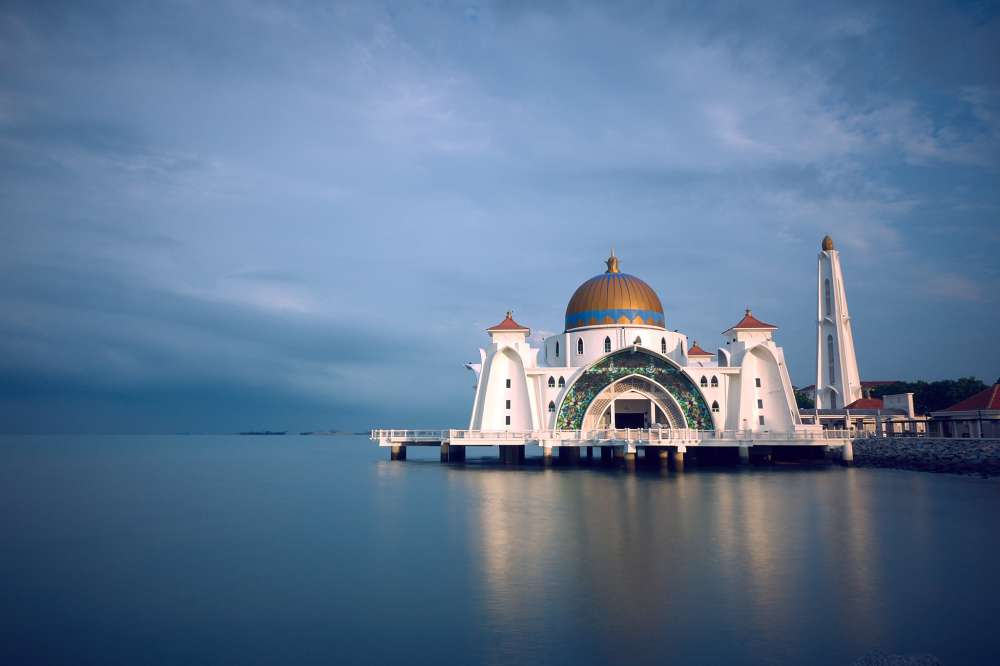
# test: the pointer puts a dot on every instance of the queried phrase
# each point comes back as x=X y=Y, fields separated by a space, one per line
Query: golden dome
x=827 y=243
x=614 y=298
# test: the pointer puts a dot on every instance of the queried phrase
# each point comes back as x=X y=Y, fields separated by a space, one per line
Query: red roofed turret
x=695 y=350
x=508 y=325
x=752 y=323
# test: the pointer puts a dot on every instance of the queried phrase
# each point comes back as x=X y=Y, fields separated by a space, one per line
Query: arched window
x=704 y=381
x=557 y=349
x=579 y=346
x=552 y=406
x=826 y=288
x=833 y=399
x=830 y=363
x=715 y=405
x=715 y=382
x=607 y=345
x=663 y=345
x=552 y=382
x=562 y=382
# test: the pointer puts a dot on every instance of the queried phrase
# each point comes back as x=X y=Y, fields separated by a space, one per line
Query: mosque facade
x=617 y=365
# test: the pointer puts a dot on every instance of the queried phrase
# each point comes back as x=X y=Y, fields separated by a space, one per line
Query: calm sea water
x=183 y=550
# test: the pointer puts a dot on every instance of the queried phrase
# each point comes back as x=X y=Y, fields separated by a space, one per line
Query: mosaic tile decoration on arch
x=627 y=362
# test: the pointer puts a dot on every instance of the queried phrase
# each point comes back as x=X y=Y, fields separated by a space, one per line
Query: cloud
x=955 y=286
x=326 y=204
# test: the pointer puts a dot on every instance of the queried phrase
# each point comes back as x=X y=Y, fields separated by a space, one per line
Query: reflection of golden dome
x=614 y=298
x=827 y=243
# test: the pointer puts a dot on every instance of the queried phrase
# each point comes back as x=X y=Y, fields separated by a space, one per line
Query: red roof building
x=984 y=400
x=976 y=416
x=866 y=403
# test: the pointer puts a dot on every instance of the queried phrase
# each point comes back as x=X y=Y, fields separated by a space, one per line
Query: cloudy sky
x=234 y=215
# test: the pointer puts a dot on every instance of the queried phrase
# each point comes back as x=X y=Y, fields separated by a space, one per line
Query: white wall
x=620 y=336
x=491 y=410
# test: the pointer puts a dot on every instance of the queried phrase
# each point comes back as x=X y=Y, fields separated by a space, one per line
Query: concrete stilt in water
x=676 y=458
x=569 y=455
x=444 y=451
x=744 y=455
x=847 y=453
x=456 y=453
x=547 y=455
x=607 y=454
x=619 y=452
x=512 y=455
x=630 y=460
x=590 y=453
x=663 y=455
x=398 y=452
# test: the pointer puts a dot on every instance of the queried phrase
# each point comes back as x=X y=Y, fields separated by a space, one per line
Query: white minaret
x=837 y=380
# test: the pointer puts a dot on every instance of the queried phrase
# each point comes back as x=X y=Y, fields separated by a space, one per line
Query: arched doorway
x=633 y=402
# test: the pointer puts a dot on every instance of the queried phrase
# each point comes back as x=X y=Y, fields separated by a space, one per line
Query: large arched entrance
x=633 y=363
x=633 y=402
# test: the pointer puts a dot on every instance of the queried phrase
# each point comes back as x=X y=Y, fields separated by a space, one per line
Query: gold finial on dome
x=827 y=243
x=612 y=262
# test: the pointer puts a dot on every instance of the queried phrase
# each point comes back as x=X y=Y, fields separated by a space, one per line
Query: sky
x=290 y=215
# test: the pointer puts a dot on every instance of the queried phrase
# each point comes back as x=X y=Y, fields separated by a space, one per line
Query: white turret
x=838 y=382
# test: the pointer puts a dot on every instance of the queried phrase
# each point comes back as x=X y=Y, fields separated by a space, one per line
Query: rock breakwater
x=960 y=456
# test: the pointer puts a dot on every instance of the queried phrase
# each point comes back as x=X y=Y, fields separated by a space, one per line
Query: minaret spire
x=838 y=382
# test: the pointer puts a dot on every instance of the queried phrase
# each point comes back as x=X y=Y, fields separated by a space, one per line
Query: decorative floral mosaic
x=633 y=362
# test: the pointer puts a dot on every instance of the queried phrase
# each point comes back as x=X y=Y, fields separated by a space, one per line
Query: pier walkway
x=619 y=442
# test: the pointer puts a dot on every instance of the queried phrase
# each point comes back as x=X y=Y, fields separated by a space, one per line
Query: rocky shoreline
x=956 y=456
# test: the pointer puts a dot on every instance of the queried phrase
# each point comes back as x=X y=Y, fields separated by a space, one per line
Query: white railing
x=638 y=435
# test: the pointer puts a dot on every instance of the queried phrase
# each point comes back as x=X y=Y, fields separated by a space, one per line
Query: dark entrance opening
x=630 y=420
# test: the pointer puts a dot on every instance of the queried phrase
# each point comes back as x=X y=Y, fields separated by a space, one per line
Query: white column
x=833 y=323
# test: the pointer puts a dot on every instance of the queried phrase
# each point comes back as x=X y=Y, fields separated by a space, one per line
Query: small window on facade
x=760 y=404
x=715 y=405
x=508 y=404
x=663 y=345
x=760 y=419
x=704 y=381
x=757 y=382
x=552 y=382
x=552 y=406
x=638 y=340
x=562 y=382
x=715 y=382
x=829 y=310
x=557 y=349
x=508 y=383
x=508 y=420
x=579 y=346
x=607 y=345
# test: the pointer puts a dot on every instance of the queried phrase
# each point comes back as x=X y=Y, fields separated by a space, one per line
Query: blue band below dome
x=600 y=317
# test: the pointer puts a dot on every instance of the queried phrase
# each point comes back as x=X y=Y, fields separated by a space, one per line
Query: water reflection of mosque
x=639 y=556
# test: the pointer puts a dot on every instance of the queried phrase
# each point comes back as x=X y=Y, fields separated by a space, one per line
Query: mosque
x=619 y=380
x=616 y=365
